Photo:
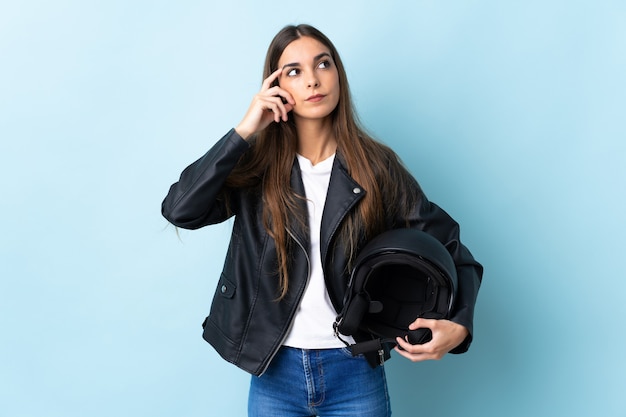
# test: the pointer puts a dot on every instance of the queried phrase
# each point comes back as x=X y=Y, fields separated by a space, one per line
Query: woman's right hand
x=267 y=106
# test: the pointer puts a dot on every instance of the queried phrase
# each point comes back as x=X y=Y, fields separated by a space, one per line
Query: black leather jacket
x=246 y=323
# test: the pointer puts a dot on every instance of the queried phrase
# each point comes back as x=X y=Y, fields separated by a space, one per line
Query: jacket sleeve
x=199 y=197
x=429 y=217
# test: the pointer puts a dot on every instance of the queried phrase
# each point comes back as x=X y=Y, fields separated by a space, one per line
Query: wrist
x=243 y=132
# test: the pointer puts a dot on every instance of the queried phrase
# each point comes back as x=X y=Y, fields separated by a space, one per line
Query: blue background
x=510 y=114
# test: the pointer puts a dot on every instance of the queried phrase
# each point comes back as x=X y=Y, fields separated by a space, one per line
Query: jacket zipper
x=308 y=260
x=284 y=337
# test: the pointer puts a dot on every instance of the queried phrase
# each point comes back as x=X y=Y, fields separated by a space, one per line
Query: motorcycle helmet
x=398 y=276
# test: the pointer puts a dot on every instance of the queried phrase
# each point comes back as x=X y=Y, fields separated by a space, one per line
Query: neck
x=316 y=140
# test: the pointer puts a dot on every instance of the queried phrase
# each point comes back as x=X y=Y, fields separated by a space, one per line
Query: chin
x=317 y=114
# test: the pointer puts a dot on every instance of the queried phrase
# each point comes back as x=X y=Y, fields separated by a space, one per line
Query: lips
x=315 y=98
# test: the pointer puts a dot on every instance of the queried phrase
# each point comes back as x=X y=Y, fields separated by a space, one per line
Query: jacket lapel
x=298 y=186
x=343 y=194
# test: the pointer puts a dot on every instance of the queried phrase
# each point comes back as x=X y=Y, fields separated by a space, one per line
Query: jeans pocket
x=348 y=353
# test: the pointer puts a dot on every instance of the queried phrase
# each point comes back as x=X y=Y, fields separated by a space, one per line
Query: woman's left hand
x=446 y=336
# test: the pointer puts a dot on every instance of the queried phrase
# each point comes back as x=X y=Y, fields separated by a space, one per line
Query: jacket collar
x=343 y=194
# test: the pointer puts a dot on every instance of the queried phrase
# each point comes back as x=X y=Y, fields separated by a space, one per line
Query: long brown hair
x=270 y=159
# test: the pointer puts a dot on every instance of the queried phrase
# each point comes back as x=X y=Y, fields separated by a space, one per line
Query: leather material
x=246 y=324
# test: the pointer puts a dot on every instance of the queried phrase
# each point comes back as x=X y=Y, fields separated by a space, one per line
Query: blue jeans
x=324 y=382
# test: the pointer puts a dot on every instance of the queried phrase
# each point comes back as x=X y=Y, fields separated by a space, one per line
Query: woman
x=308 y=188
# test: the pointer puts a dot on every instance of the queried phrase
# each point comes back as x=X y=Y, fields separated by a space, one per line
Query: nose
x=313 y=81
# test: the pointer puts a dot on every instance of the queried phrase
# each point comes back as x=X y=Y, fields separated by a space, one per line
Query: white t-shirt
x=312 y=327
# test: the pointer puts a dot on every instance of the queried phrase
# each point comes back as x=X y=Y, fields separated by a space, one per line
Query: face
x=309 y=74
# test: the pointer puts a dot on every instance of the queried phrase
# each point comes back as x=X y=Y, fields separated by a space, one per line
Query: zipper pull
x=381 y=357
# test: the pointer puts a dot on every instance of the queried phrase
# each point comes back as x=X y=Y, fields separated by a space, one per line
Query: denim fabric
x=320 y=382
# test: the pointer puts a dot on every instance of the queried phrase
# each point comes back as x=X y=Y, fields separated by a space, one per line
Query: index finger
x=267 y=83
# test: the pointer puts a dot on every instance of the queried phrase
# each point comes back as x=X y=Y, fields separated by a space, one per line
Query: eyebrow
x=316 y=58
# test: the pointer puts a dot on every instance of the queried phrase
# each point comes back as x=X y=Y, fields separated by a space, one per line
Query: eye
x=293 y=72
x=324 y=64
